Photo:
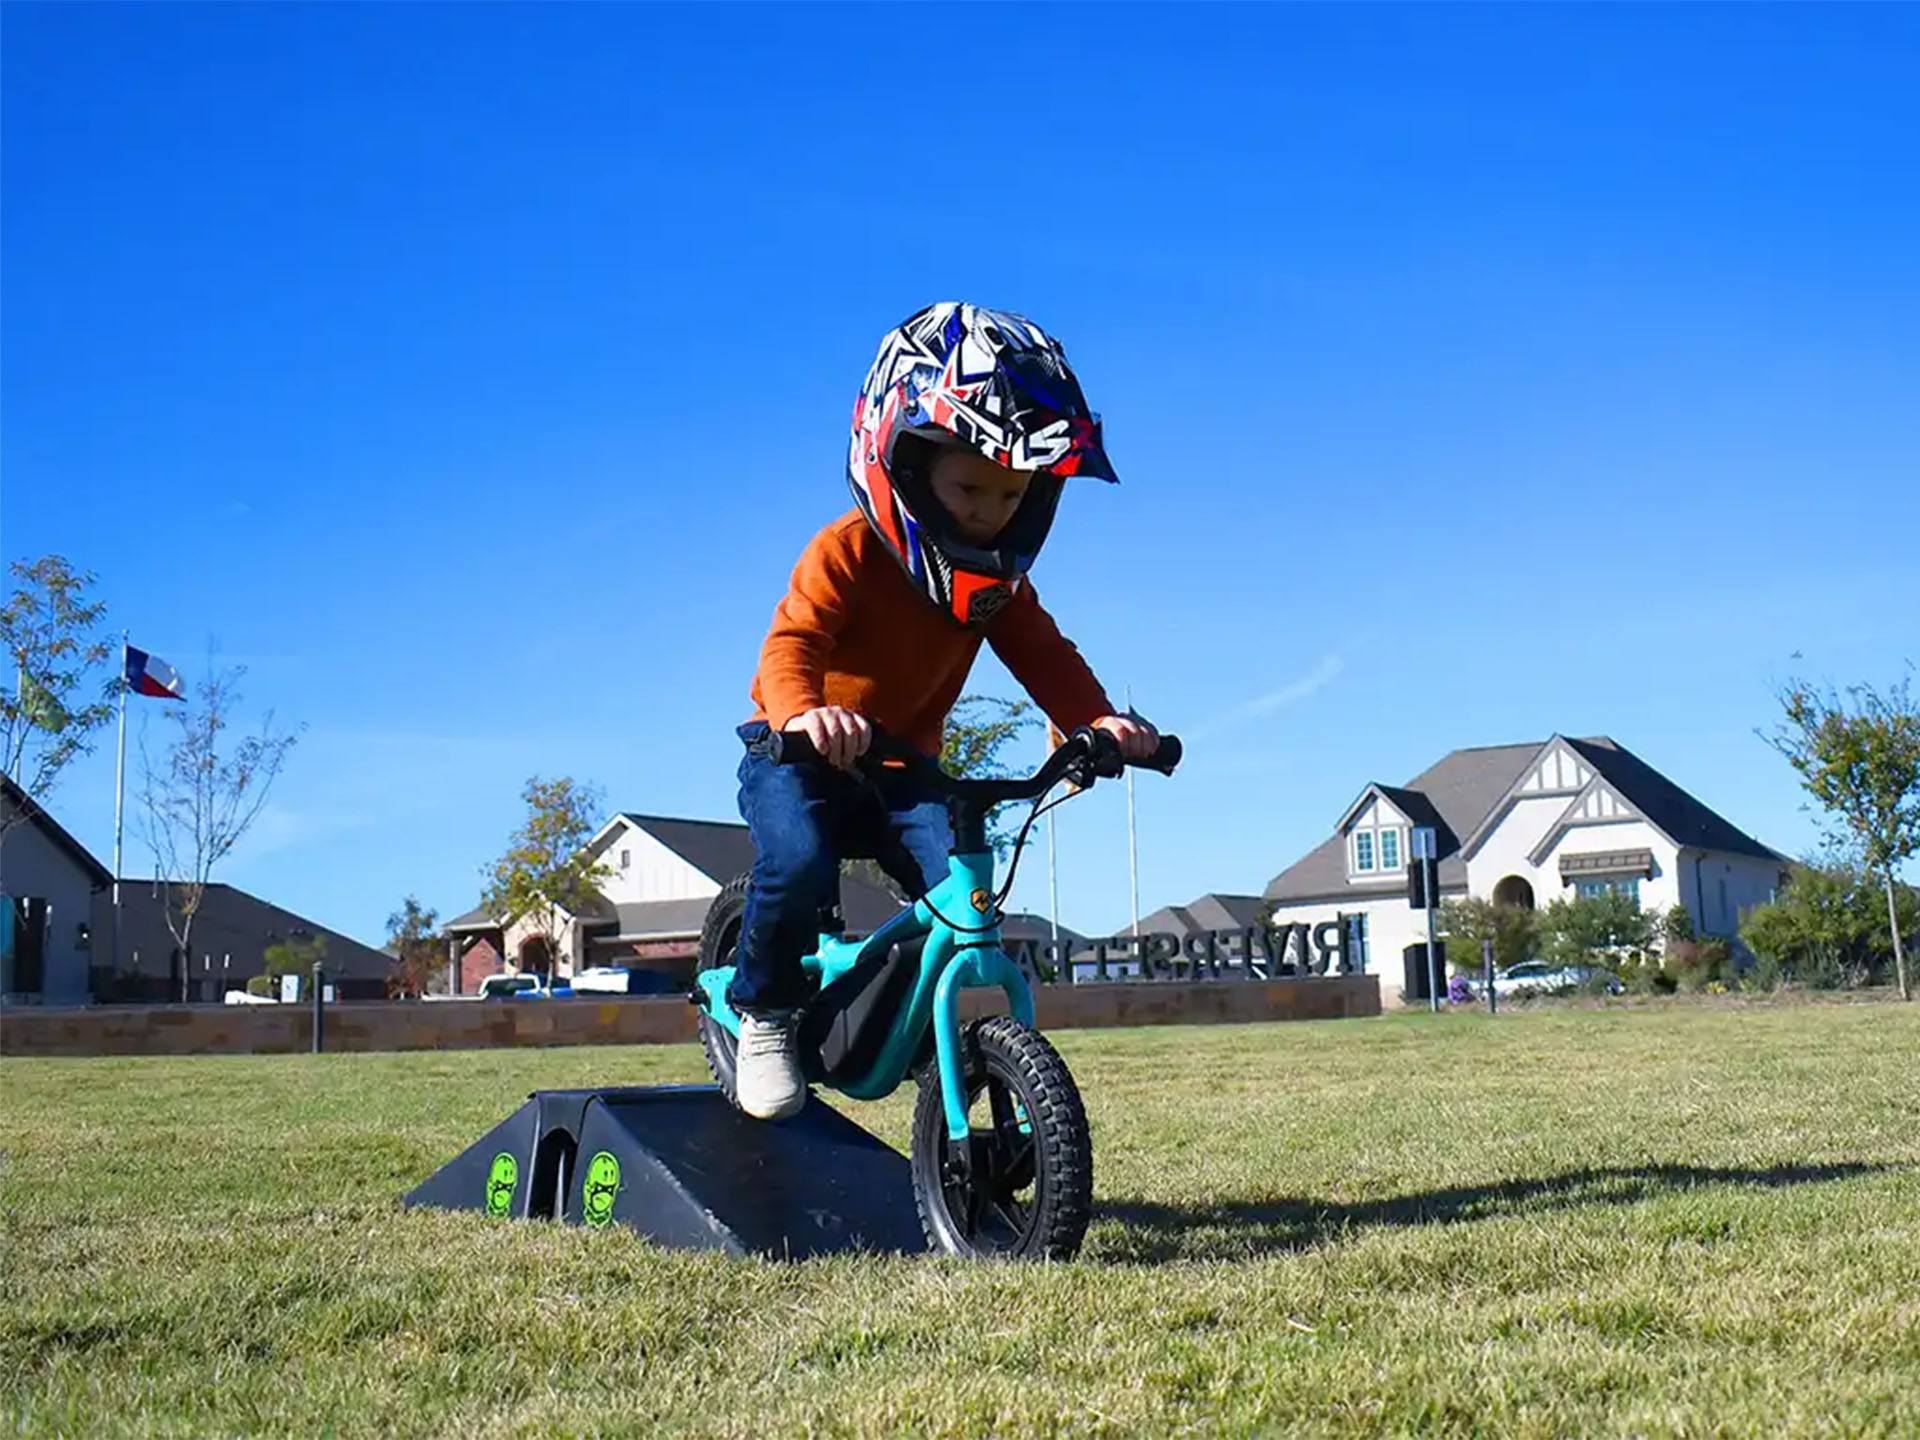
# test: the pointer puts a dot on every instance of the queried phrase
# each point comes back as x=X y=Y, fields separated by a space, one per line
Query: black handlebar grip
x=792 y=747
x=1163 y=759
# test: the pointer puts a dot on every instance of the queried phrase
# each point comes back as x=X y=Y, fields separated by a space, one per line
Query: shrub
x=1827 y=928
x=1677 y=924
x=263 y=986
x=1694 y=965
x=1642 y=973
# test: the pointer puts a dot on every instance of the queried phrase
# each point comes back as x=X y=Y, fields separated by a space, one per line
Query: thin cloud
x=1292 y=693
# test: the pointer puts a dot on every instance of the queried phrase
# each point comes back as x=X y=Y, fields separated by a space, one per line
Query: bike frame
x=950 y=961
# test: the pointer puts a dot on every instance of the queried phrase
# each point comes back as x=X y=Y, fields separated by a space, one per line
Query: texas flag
x=150 y=675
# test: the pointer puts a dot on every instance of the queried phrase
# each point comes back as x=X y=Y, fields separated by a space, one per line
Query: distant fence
x=474 y=1024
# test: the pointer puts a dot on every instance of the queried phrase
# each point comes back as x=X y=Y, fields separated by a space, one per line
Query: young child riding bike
x=964 y=435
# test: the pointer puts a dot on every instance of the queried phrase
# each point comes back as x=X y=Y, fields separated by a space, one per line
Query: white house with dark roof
x=662 y=874
x=1525 y=825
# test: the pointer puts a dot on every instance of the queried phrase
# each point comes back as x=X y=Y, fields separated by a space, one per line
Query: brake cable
x=1013 y=865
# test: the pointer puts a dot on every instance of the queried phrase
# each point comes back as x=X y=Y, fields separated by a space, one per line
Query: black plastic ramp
x=684 y=1168
x=494 y=1174
x=681 y=1166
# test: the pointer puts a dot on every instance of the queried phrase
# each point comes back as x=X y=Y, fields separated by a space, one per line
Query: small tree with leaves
x=295 y=955
x=1467 y=924
x=57 y=697
x=202 y=796
x=1611 y=931
x=546 y=869
x=979 y=730
x=1827 y=926
x=417 y=952
x=1858 y=754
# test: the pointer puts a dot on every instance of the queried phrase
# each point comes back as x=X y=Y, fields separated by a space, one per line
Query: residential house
x=1523 y=825
x=662 y=874
x=49 y=882
x=58 y=922
x=232 y=932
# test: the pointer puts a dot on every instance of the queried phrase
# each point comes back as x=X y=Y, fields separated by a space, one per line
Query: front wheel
x=1024 y=1186
x=719 y=939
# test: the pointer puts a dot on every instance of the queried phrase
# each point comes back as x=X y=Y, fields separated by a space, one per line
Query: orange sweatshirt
x=854 y=631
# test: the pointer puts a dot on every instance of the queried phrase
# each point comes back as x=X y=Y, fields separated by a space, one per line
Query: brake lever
x=1105 y=759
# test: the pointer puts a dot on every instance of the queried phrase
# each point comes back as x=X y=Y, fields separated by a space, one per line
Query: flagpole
x=1053 y=883
x=1133 y=844
x=119 y=801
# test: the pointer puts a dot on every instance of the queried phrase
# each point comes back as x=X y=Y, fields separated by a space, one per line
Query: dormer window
x=1377 y=850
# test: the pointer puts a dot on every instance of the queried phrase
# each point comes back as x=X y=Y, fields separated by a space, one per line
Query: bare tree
x=203 y=796
x=49 y=630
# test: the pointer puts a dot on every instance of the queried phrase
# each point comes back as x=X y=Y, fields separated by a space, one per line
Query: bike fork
x=986 y=967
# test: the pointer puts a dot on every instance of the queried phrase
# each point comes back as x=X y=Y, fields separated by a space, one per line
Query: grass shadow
x=1156 y=1232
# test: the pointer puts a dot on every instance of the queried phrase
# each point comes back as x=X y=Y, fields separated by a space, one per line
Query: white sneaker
x=767 y=1080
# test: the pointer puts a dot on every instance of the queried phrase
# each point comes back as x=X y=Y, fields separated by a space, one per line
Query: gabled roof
x=1209 y=912
x=1025 y=925
x=235 y=928
x=1411 y=803
x=1419 y=810
x=718 y=849
x=657 y=919
x=35 y=814
x=1458 y=790
x=478 y=918
x=1465 y=789
x=1669 y=809
x=864 y=906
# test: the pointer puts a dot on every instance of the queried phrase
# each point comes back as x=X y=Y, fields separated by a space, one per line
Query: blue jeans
x=804 y=819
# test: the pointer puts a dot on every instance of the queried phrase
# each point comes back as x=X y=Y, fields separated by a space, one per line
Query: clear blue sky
x=474 y=376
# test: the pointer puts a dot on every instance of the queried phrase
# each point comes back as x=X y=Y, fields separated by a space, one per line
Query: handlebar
x=1084 y=755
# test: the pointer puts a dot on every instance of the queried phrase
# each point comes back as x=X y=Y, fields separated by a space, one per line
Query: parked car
x=1539 y=977
x=512 y=987
x=624 y=980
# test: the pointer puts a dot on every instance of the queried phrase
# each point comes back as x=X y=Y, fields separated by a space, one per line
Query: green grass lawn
x=1672 y=1219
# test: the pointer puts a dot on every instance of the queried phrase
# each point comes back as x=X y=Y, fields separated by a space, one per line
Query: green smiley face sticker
x=501 y=1179
x=602 y=1183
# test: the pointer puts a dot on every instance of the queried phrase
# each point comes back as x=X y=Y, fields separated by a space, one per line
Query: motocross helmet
x=957 y=374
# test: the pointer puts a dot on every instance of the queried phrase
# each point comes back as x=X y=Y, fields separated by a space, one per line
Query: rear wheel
x=719 y=939
x=1024 y=1187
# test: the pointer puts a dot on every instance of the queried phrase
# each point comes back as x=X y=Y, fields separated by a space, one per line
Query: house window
x=1363 y=851
x=626 y=857
x=1593 y=888
x=1389 y=849
x=1357 y=942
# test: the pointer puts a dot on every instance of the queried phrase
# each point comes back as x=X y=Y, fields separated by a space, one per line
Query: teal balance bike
x=1002 y=1161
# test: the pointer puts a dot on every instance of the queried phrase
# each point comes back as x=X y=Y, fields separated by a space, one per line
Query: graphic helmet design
x=957 y=374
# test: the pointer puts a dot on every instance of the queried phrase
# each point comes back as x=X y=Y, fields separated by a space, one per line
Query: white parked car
x=1538 y=977
x=508 y=987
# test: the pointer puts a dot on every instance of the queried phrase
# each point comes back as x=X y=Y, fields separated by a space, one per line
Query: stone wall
x=649 y=1020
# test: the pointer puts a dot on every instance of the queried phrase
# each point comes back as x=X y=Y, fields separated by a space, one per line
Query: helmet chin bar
x=909 y=467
